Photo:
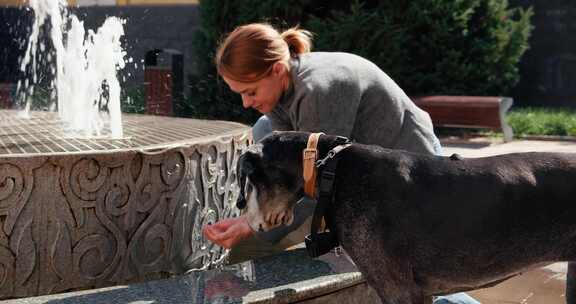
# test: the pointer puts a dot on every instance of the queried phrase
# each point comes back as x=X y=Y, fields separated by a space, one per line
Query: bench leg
x=505 y=105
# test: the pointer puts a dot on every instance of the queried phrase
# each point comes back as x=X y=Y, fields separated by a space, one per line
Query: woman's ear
x=279 y=68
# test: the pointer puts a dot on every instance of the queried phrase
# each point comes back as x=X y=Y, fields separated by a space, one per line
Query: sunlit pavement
x=540 y=286
x=479 y=147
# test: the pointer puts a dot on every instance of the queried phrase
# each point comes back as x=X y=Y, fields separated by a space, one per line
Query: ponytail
x=299 y=41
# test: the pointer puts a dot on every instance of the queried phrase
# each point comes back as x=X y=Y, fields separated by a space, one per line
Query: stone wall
x=14 y=23
x=147 y=28
x=548 y=69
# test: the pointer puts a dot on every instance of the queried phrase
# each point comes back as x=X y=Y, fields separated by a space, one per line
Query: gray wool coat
x=347 y=95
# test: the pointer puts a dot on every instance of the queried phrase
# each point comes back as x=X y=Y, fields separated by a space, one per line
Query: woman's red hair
x=249 y=52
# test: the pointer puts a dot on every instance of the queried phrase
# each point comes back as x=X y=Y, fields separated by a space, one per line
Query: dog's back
x=454 y=224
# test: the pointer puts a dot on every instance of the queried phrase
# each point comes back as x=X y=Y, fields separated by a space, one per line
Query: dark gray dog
x=418 y=225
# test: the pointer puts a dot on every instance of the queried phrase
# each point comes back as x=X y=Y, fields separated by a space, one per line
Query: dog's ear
x=247 y=164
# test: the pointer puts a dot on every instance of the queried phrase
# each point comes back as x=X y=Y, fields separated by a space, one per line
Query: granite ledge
x=284 y=278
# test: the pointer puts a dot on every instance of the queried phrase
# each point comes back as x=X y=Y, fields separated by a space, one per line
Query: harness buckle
x=309 y=154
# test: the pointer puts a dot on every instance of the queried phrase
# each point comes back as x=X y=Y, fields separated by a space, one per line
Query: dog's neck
x=288 y=147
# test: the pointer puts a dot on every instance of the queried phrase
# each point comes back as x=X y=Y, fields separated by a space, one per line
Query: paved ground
x=479 y=147
x=541 y=286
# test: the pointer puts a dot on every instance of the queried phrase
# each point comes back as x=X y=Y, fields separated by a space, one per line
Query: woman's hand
x=228 y=232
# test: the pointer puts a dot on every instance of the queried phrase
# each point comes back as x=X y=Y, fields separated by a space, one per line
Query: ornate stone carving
x=77 y=221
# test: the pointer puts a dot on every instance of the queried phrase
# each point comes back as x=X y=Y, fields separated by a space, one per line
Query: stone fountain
x=86 y=213
x=80 y=209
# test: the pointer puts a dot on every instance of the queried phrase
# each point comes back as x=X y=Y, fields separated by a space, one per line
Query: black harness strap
x=319 y=243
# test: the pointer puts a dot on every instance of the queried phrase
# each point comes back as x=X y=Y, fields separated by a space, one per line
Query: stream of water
x=84 y=87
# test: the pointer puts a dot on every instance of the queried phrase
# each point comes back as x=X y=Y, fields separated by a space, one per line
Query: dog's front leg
x=396 y=288
x=394 y=284
x=403 y=297
x=416 y=299
x=571 y=283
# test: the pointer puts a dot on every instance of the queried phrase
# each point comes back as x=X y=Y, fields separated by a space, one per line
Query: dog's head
x=269 y=189
x=270 y=178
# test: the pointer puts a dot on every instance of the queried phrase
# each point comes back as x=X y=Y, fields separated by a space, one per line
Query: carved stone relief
x=77 y=221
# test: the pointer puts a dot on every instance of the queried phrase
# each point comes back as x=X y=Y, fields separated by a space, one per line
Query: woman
x=295 y=89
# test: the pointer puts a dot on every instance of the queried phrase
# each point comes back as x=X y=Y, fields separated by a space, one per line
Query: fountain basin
x=88 y=213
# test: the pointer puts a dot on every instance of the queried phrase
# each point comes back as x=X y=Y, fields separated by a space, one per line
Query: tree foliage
x=458 y=47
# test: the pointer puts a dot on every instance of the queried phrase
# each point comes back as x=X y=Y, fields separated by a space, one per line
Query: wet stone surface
x=284 y=278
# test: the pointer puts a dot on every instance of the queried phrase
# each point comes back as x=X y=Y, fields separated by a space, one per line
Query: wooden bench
x=486 y=112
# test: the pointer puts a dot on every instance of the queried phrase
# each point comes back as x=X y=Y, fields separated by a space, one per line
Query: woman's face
x=261 y=95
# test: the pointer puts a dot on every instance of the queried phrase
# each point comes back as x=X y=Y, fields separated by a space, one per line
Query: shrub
x=455 y=47
x=542 y=121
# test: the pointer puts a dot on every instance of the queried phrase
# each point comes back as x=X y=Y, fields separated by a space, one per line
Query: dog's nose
x=241 y=202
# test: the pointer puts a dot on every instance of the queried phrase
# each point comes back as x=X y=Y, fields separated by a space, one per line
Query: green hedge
x=454 y=47
x=542 y=121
